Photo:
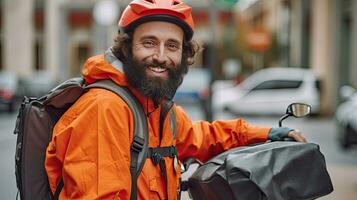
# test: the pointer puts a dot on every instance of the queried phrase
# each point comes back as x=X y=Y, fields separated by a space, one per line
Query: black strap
x=165 y=108
x=162 y=165
x=157 y=156
x=135 y=149
x=58 y=190
x=173 y=121
x=184 y=185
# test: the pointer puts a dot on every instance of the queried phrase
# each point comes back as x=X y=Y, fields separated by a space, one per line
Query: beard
x=153 y=87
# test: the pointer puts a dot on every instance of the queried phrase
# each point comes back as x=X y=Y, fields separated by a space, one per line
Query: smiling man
x=155 y=64
x=90 y=148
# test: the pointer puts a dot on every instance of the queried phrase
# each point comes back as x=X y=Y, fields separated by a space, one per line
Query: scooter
x=278 y=170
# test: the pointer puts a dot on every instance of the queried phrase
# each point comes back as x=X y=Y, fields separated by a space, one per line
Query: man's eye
x=149 y=43
x=173 y=46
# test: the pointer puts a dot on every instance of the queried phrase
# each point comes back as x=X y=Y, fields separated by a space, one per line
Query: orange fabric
x=91 y=142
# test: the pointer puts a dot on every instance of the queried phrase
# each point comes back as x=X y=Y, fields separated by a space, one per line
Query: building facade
x=316 y=34
x=57 y=36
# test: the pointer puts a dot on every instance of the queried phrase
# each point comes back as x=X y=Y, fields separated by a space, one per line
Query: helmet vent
x=175 y=3
x=150 y=1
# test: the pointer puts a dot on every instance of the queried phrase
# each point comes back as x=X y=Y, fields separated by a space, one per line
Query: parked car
x=8 y=89
x=38 y=84
x=194 y=88
x=268 y=92
x=346 y=117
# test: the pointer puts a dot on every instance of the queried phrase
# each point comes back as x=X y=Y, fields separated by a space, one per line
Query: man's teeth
x=157 y=69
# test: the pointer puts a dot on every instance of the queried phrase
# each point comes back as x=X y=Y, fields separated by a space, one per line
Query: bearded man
x=90 y=148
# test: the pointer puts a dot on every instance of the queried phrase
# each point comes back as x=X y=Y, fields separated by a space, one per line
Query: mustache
x=156 y=89
x=158 y=65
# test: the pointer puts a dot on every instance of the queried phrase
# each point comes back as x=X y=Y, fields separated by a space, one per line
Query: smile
x=157 y=69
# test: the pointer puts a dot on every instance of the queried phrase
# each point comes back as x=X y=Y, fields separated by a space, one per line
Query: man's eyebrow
x=174 y=40
x=151 y=37
x=148 y=37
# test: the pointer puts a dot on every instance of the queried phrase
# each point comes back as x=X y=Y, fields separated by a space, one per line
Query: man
x=91 y=142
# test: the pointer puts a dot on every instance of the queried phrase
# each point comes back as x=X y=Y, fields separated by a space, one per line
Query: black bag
x=275 y=170
x=34 y=125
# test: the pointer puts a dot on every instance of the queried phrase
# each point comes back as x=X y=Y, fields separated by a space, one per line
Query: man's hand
x=284 y=133
x=297 y=136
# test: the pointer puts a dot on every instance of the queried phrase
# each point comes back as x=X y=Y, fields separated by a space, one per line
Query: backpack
x=273 y=170
x=34 y=126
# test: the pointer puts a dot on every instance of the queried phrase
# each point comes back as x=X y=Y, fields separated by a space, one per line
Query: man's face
x=154 y=65
x=159 y=44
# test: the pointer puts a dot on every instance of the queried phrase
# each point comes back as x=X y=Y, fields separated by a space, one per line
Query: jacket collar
x=108 y=66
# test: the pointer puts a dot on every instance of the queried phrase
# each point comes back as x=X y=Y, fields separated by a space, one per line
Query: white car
x=269 y=91
x=194 y=86
x=195 y=89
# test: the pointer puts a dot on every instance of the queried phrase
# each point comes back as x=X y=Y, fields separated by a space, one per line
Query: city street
x=243 y=56
x=342 y=165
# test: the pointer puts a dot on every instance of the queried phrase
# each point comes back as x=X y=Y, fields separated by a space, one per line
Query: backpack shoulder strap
x=173 y=121
x=140 y=122
x=139 y=147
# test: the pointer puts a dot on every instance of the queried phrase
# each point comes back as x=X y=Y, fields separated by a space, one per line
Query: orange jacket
x=91 y=142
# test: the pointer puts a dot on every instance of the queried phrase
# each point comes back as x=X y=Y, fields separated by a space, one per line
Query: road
x=342 y=165
x=7 y=157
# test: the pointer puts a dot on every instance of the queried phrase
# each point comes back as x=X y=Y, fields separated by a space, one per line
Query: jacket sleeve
x=203 y=140
x=90 y=149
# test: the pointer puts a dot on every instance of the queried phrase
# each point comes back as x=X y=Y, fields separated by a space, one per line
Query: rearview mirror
x=296 y=110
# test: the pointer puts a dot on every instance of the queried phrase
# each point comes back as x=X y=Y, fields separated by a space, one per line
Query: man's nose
x=160 y=56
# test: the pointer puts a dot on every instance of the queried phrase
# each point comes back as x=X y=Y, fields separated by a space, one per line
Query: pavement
x=344 y=180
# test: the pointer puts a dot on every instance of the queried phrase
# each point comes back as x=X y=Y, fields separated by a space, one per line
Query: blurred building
x=51 y=36
x=57 y=36
x=317 y=34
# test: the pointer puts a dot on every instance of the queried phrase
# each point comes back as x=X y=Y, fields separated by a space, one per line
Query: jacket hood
x=105 y=66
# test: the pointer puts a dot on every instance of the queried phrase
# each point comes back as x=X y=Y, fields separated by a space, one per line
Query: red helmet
x=141 y=11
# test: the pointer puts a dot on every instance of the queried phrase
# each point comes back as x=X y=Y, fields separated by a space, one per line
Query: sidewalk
x=344 y=180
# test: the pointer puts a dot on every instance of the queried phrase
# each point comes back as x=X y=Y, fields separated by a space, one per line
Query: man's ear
x=125 y=52
x=190 y=60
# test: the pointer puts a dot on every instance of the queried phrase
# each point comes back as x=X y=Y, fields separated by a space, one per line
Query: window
x=81 y=52
x=1 y=60
x=278 y=84
x=38 y=56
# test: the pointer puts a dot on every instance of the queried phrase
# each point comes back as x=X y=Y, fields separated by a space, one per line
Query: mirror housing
x=297 y=110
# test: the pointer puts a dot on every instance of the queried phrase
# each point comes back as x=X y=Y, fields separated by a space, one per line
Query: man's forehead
x=159 y=29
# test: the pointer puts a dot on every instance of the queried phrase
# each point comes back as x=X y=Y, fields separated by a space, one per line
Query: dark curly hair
x=123 y=46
